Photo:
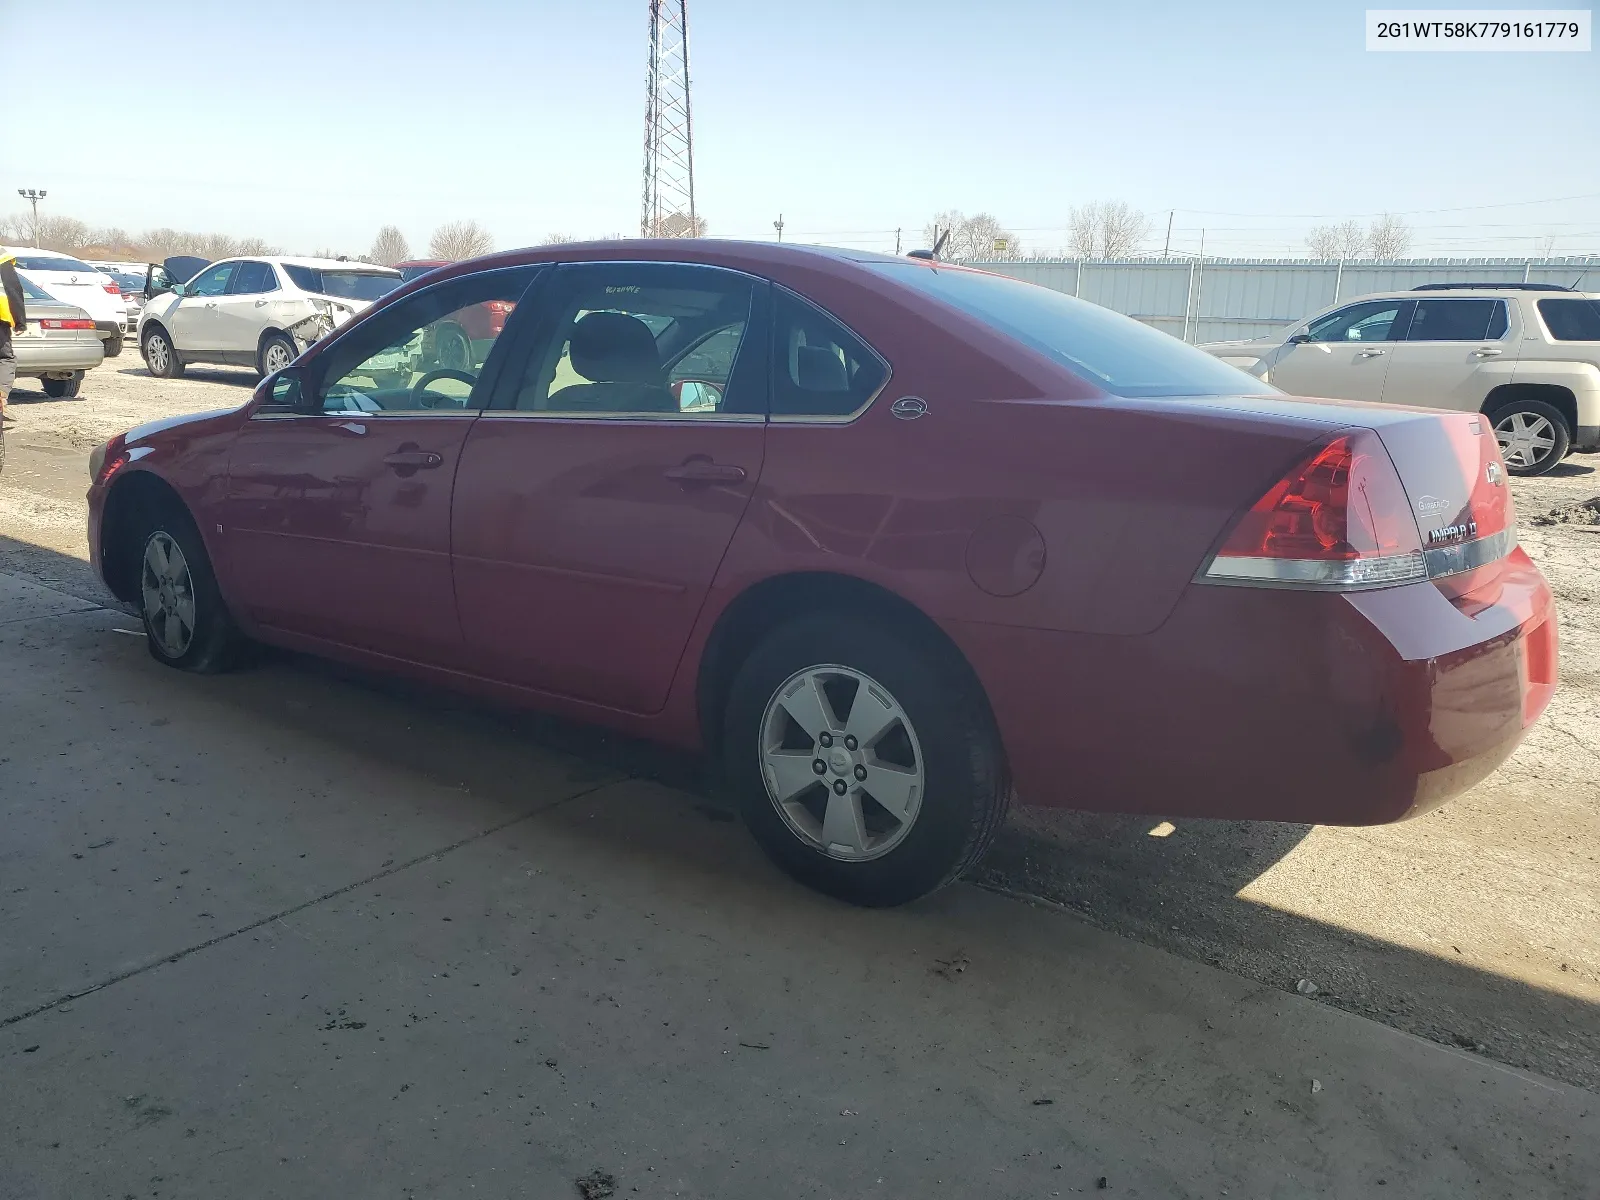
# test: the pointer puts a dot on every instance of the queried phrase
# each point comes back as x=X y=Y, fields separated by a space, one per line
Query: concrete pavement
x=288 y=933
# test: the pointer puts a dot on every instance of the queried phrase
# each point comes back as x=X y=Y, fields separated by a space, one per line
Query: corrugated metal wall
x=1221 y=299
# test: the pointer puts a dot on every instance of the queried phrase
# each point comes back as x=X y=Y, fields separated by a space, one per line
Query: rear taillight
x=112 y=287
x=500 y=307
x=63 y=323
x=1338 y=520
x=105 y=461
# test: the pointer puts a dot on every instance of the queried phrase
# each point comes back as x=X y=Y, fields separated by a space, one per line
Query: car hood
x=1250 y=347
x=201 y=421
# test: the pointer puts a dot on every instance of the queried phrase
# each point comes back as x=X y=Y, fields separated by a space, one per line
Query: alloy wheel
x=277 y=357
x=167 y=589
x=156 y=350
x=842 y=763
x=1526 y=439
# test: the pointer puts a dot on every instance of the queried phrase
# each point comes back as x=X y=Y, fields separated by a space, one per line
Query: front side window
x=210 y=282
x=1575 y=320
x=425 y=354
x=253 y=278
x=646 y=339
x=1372 y=321
x=1114 y=353
x=820 y=368
x=1457 y=321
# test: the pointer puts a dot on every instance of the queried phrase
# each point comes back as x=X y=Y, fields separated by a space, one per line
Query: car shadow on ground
x=1178 y=888
x=237 y=376
x=1570 y=468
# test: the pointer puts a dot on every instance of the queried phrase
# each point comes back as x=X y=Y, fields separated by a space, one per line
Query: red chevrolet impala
x=893 y=539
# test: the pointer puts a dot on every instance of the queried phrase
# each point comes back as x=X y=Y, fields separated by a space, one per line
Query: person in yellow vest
x=13 y=316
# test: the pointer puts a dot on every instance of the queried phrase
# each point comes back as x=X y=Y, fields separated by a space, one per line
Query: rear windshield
x=407 y=274
x=347 y=285
x=1572 y=320
x=31 y=290
x=1113 y=352
x=50 y=262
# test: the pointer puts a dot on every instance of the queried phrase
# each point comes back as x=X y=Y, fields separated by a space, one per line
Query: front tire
x=1533 y=436
x=63 y=389
x=160 y=356
x=277 y=352
x=186 y=623
x=865 y=764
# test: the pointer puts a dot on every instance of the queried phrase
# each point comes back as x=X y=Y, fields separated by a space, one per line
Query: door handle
x=703 y=470
x=1485 y=352
x=1370 y=353
x=423 y=460
x=261 y=303
x=211 y=303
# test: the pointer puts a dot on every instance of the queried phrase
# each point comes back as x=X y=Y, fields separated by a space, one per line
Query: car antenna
x=939 y=241
x=1581 y=274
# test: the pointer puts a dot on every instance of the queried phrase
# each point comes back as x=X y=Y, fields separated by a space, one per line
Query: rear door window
x=1457 y=320
x=1575 y=320
x=253 y=278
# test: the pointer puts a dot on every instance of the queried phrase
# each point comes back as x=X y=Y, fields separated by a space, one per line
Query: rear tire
x=276 y=353
x=1533 y=436
x=928 y=748
x=160 y=356
x=186 y=623
x=63 y=389
x=113 y=345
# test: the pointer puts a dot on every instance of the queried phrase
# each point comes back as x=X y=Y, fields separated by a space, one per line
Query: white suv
x=70 y=281
x=253 y=312
x=1526 y=355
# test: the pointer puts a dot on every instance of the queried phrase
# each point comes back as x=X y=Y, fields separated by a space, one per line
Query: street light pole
x=33 y=196
x=778 y=225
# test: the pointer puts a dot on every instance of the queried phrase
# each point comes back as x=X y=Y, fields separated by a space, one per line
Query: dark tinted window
x=1111 y=351
x=1369 y=321
x=819 y=368
x=1456 y=320
x=253 y=277
x=51 y=262
x=407 y=274
x=1572 y=320
x=347 y=285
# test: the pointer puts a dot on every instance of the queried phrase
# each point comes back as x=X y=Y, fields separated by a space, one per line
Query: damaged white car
x=251 y=312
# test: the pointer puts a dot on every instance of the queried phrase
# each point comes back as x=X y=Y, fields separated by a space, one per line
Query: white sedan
x=254 y=312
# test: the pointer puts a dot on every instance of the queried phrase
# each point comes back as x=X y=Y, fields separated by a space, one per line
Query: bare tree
x=389 y=247
x=65 y=234
x=1388 y=237
x=558 y=239
x=458 y=240
x=13 y=228
x=1106 y=229
x=979 y=236
x=1344 y=240
x=679 y=225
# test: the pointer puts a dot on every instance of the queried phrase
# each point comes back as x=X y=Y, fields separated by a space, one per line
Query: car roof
x=321 y=264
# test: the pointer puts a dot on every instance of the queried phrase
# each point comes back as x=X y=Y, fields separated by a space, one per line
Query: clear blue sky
x=311 y=124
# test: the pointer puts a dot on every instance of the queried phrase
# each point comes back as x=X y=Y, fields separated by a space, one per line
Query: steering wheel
x=419 y=389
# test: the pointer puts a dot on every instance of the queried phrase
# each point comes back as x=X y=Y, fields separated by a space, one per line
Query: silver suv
x=1526 y=355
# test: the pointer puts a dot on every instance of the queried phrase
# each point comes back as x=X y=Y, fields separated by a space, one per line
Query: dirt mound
x=1584 y=512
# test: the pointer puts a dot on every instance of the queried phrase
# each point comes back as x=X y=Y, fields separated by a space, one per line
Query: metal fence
x=1215 y=300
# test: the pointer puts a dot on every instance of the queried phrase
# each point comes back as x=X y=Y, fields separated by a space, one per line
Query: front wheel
x=1533 y=436
x=159 y=354
x=63 y=389
x=865 y=764
x=186 y=623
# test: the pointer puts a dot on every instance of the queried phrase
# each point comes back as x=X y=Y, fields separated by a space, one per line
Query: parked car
x=851 y=524
x=73 y=282
x=258 y=311
x=132 y=288
x=464 y=343
x=60 y=344
x=1525 y=355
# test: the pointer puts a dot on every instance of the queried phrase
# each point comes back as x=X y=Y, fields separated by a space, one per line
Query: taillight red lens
x=1338 y=519
x=500 y=306
x=60 y=323
x=112 y=287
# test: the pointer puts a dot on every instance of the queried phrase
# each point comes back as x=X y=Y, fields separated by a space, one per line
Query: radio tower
x=668 y=209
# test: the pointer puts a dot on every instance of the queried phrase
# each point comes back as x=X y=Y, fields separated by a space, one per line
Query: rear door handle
x=1370 y=353
x=1485 y=352
x=417 y=460
x=703 y=470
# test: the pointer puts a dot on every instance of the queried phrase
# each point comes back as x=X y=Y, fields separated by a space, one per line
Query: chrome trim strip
x=1467 y=556
x=688 y=418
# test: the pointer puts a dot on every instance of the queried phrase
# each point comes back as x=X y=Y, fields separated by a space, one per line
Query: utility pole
x=1167 y=249
x=33 y=196
x=897 y=243
x=778 y=225
x=668 y=189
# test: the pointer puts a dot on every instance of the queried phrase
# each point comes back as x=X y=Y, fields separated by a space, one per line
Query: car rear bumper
x=111 y=329
x=1353 y=709
x=40 y=356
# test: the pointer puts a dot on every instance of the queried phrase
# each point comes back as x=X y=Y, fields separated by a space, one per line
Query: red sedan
x=894 y=539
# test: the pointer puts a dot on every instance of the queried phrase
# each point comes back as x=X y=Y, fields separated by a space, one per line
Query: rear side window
x=50 y=262
x=1572 y=320
x=1111 y=351
x=253 y=277
x=1457 y=321
x=820 y=368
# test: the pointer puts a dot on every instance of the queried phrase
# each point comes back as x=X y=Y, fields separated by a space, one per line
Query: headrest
x=610 y=347
x=819 y=370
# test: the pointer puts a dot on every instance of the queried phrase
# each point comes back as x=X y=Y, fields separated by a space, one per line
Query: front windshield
x=1109 y=350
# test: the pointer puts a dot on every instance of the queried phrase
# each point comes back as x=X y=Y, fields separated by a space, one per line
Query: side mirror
x=282 y=393
x=1300 y=339
x=696 y=395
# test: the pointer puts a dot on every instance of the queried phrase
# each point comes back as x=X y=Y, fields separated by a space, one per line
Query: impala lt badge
x=1453 y=533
